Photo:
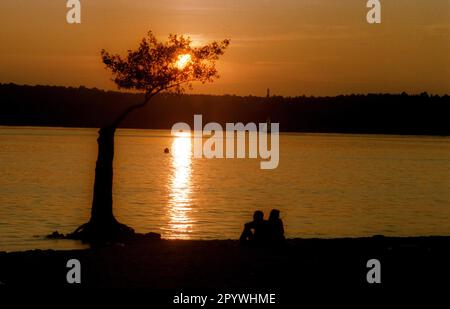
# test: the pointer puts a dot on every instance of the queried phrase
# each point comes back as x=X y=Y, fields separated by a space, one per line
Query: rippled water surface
x=326 y=185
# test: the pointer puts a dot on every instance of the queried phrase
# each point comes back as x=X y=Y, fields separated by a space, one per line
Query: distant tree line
x=83 y=107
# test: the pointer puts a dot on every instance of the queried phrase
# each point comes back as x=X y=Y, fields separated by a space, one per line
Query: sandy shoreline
x=172 y=264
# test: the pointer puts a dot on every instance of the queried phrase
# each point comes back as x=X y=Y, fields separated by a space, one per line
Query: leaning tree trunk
x=103 y=226
x=102 y=200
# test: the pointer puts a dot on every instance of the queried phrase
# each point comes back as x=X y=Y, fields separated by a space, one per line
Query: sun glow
x=183 y=61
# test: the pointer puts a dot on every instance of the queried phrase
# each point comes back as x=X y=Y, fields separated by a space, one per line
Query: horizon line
x=228 y=94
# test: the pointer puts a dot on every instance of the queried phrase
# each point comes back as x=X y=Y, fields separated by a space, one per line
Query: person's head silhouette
x=274 y=214
x=258 y=216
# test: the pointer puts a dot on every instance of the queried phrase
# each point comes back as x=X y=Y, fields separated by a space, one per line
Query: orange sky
x=294 y=47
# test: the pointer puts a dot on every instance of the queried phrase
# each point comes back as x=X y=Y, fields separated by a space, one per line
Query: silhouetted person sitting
x=255 y=231
x=276 y=229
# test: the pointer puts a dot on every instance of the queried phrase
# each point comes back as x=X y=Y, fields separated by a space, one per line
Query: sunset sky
x=293 y=47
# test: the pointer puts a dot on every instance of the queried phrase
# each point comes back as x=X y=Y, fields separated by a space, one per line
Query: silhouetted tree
x=152 y=68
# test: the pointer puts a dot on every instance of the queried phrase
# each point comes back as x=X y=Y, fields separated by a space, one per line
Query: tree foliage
x=152 y=67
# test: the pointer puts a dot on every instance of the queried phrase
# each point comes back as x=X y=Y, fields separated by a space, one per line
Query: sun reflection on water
x=180 y=223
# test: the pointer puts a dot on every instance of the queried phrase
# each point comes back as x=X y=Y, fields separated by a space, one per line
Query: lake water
x=326 y=185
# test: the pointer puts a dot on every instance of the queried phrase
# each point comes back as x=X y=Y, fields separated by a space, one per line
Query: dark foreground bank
x=224 y=264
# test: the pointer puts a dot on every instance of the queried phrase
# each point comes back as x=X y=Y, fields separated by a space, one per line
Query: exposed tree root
x=102 y=233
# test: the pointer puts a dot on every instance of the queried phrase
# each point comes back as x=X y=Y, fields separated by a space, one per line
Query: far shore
x=282 y=132
x=172 y=264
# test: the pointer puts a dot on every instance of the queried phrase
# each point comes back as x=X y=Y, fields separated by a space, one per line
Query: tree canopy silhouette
x=154 y=67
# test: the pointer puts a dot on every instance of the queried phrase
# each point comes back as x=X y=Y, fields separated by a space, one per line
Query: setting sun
x=183 y=61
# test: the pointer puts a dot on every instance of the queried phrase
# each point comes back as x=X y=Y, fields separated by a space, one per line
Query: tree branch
x=180 y=83
x=148 y=97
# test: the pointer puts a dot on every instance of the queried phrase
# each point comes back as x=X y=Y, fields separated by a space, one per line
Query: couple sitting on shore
x=262 y=231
